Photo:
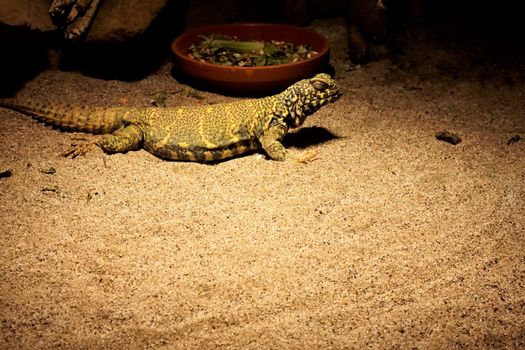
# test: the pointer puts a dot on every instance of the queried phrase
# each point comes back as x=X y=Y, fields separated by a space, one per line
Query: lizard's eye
x=318 y=84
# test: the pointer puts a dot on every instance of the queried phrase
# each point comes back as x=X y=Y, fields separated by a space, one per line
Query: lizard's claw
x=78 y=150
x=305 y=157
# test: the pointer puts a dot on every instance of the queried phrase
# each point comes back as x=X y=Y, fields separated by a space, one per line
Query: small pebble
x=48 y=171
x=448 y=137
x=514 y=139
x=49 y=188
x=6 y=173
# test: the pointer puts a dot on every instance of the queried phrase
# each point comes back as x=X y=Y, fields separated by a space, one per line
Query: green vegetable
x=239 y=46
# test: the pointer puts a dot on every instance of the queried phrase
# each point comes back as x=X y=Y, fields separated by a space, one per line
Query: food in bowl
x=230 y=51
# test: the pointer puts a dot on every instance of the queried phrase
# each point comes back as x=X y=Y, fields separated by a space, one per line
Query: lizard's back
x=209 y=132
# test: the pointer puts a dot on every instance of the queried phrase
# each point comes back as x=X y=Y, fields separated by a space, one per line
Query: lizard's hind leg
x=123 y=140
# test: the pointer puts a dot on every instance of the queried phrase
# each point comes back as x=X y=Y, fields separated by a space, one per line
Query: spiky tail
x=96 y=120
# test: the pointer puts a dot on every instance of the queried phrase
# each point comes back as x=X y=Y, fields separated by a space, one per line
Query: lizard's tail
x=96 y=120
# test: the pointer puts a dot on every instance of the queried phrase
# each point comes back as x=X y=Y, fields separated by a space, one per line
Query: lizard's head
x=307 y=96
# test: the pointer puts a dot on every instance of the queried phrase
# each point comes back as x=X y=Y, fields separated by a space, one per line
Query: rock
x=121 y=20
x=127 y=39
x=116 y=20
x=31 y=14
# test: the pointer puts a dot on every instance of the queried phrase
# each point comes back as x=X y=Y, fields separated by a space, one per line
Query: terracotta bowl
x=250 y=80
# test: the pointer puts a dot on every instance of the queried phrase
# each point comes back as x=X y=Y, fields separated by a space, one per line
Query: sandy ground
x=389 y=239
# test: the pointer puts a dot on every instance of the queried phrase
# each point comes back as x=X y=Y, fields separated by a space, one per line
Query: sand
x=389 y=239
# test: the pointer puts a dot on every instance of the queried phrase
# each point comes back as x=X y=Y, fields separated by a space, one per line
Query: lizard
x=199 y=133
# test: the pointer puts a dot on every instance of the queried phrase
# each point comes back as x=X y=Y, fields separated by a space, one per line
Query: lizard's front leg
x=271 y=142
x=123 y=140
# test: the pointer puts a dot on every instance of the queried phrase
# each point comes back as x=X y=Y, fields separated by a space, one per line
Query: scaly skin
x=203 y=133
